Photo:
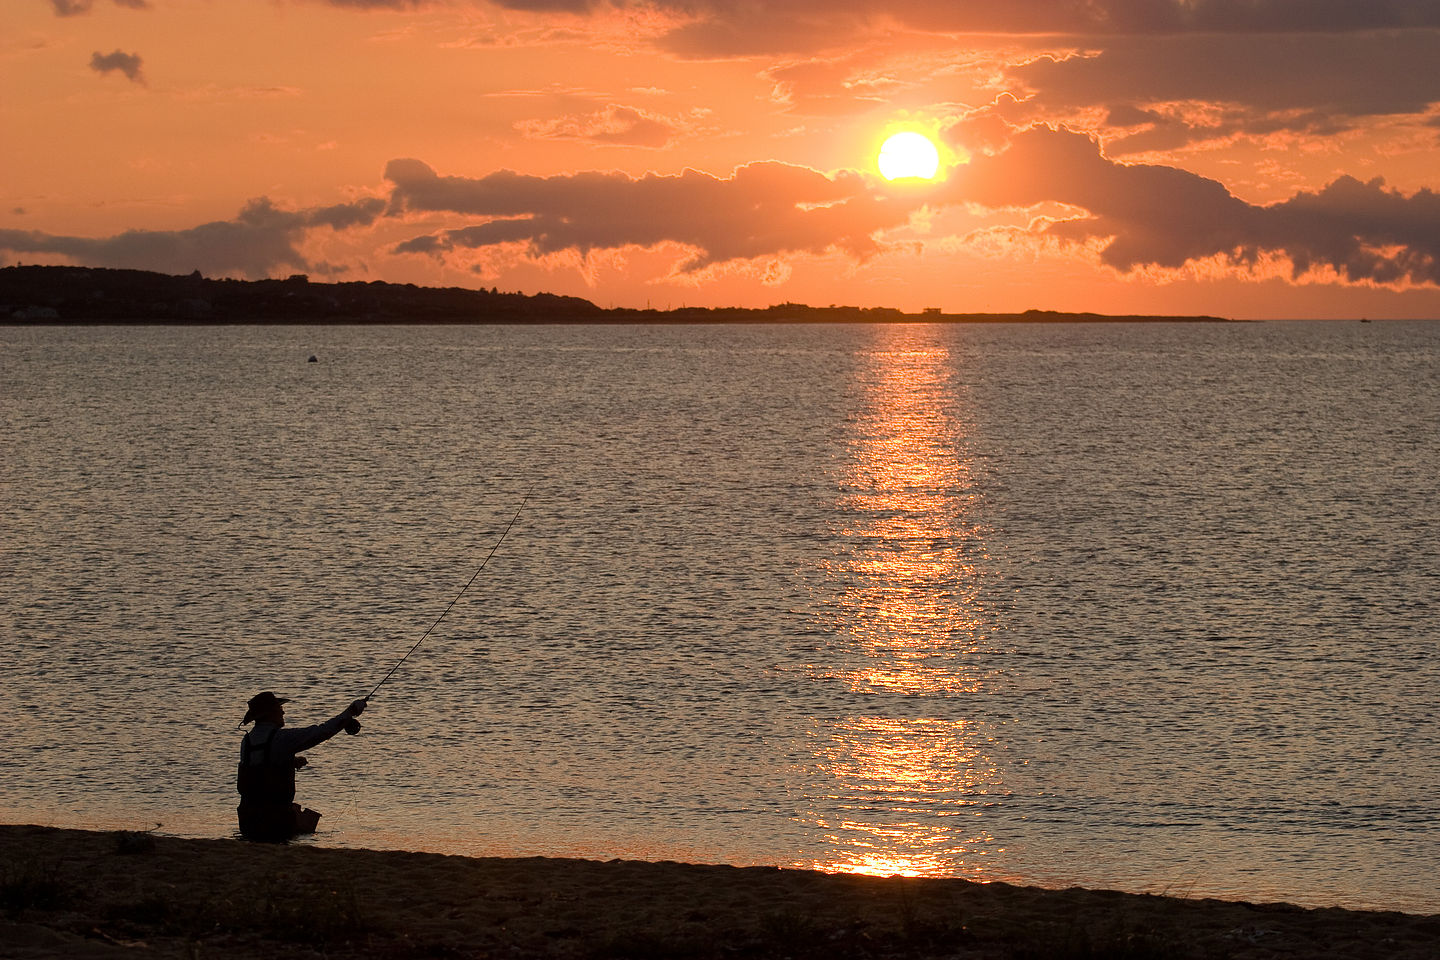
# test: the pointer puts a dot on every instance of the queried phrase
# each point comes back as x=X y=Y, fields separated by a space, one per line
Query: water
x=1142 y=607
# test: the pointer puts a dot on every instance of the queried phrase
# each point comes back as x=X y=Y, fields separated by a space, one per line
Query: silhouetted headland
x=57 y=295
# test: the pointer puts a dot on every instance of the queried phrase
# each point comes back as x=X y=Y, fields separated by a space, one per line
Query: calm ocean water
x=1145 y=607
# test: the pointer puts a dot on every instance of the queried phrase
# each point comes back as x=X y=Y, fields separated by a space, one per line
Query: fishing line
x=503 y=534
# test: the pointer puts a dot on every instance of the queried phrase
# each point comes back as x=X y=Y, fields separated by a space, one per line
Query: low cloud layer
x=1158 y=216
x=1132 y=216
x=762 y=210
x=1138 y=216
x=119 y=61
x=261 y=241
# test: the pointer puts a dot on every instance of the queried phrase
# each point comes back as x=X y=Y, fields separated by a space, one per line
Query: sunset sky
x=1247 y=158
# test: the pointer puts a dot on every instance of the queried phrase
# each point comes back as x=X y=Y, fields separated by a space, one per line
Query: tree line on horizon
x=69 y=294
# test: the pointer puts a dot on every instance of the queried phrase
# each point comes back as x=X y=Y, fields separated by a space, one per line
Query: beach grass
x=70 y=893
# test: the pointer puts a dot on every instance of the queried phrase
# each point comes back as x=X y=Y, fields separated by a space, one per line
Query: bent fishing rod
x=473 y=577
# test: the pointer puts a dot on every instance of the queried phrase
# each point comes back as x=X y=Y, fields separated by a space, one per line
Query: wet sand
x=82 y=894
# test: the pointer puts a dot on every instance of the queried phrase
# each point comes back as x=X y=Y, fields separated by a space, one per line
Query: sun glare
x=908 y=155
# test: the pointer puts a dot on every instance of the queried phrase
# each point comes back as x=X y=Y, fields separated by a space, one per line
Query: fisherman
x=269 y=757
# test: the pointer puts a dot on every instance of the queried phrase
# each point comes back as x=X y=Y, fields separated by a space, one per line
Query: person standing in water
x=269 y=757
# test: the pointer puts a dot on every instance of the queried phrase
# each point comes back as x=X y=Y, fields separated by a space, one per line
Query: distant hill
x=71 y=294
x=43 y=295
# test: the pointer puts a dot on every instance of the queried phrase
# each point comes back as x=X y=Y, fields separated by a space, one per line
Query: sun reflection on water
x=902 y=789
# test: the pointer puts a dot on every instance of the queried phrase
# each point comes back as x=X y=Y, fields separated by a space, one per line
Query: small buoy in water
x=312 y=359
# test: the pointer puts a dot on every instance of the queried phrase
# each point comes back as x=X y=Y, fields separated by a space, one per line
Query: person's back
x=267 y=788
x=269 y=757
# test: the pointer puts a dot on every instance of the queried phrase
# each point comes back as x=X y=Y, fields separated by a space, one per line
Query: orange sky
x=1273 y=158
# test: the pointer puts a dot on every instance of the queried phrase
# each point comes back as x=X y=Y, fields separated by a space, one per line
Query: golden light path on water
x=913 y=777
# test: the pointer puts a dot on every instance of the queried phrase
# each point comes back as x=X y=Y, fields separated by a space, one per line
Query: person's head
x=265 y=707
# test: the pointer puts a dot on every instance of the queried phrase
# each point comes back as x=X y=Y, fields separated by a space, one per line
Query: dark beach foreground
x=70 y=893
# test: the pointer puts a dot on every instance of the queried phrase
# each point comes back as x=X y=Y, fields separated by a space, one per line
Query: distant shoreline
x=45 y=295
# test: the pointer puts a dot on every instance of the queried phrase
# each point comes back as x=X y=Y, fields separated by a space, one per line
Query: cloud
x=731 y=28
x=17 y=44
x=1157 y=94
x=837 y=86
x=381 y=4
x=74 y=8
x=1167 y=130
x=1121 y=17
x=614 y=124
x=1140 y=216
x=126 y=63
x=343 y=216
x=727 y=29
x=1134 y=217
x=762 y=210
x=1147 y=215
x=257 y=243
x=750 y=29
x=742 y=28
x=1354 y=75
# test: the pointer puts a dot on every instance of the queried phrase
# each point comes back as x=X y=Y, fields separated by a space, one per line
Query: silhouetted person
x=269 y=757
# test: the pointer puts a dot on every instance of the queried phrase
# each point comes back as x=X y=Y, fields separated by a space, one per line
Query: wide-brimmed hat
x=262 y=703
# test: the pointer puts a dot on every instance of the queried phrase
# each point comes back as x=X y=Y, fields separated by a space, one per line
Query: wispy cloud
x=75 y=8
x=614 y=124
x=832 y=86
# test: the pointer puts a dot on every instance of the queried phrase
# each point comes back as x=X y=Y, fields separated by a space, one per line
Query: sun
x=908 y=155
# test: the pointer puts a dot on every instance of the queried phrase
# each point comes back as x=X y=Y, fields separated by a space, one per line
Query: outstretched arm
x=297 y=739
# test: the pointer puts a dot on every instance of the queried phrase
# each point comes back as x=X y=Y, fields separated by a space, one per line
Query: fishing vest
x=263 y=778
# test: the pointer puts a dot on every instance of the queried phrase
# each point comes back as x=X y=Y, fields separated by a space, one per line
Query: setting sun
x=908 y=155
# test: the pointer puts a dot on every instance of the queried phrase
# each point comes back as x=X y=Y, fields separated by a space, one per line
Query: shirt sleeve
x=297 y=739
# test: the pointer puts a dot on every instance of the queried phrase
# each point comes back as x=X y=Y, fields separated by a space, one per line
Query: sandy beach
x=70 y=893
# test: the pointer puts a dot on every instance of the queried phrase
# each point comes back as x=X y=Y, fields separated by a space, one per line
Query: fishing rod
x=503 y=534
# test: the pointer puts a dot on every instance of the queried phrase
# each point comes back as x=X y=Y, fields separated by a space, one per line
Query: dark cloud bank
x=1141 y=216
x=1165 y=217
x=751 y=27
x=1317 y=85
x=1094 y=17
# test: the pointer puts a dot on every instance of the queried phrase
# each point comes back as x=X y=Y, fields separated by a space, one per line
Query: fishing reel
x=352 y=726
